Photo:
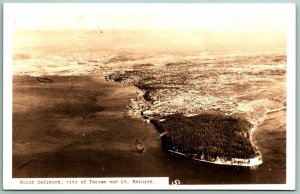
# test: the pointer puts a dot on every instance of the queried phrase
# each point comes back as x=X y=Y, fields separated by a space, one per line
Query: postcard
x=149 y=96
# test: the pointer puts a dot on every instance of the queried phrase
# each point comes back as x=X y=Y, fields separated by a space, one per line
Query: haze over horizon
x=162 y=26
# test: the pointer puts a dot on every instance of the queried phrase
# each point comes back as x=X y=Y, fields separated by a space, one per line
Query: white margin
x=291 y=101
x=7 y=96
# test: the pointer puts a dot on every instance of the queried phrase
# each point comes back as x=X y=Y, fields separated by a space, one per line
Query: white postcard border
x=10 y=183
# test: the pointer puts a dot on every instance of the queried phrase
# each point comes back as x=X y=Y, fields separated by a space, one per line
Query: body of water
x=95 y=140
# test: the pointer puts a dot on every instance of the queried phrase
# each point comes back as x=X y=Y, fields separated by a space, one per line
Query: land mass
x=208 y=136
x=207 y=125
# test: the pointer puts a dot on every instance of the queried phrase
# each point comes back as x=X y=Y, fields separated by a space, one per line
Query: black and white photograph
x=149 y=96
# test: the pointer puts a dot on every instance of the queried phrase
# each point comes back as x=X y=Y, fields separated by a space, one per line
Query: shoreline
x=260 y=121
x=233 y=162
x=256 y=160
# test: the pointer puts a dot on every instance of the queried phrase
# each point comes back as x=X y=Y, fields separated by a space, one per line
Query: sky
x=178 y=27
x=191 y=17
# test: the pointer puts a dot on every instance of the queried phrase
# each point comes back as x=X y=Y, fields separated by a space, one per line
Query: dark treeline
x=207 y=136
